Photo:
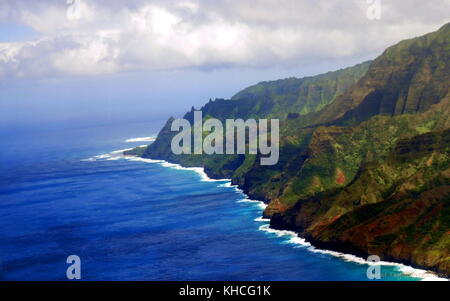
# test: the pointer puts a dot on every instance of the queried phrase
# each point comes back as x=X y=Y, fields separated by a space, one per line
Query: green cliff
x=364 y=154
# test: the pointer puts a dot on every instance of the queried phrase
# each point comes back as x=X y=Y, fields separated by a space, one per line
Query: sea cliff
x=364 y=154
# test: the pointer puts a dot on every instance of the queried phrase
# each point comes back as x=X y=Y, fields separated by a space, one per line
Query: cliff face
x=326 y=148
x=407 y=78
x=397 y=208
x=364 y=154
x=277 y=99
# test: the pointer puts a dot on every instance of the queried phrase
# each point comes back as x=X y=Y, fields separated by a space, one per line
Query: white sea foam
x=104 y=156
x=407 y=270
x=291 y=237
x=113 y=158
x=262 y=219
x=199 y=170
x=141 y=139
x=114 y=155
x=260 y=204
x=118 y=154
x=230 y=185
x=88 y=160
x=120 y=151
x=98 y=157
x=131 y=158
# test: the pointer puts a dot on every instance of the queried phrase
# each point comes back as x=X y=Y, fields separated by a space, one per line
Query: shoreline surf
x=141 y=139
x=291 y=236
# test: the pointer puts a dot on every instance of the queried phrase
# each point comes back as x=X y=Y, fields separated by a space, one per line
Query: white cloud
x=81 y=37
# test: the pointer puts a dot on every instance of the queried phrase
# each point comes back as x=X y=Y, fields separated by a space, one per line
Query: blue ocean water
x=133 y=220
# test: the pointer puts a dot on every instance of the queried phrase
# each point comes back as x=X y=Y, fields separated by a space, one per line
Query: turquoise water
x=134 y=220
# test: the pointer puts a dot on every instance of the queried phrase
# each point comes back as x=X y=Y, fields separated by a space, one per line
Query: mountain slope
x=407 y=78
x=277 y=99
x=300 y=96
x=329 y=153
x=397 y=208
x=358 y=150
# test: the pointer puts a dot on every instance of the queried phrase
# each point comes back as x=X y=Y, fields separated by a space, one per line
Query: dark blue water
x=130 y=220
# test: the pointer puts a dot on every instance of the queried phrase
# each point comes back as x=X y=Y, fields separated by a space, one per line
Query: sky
x=81 y=61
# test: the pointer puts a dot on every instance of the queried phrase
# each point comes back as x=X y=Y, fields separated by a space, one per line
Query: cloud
x=81 y=37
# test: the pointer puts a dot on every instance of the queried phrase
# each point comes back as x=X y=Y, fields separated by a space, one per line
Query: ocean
x=68 y=191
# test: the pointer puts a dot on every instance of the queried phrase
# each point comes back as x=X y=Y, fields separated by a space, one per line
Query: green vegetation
x=364 y=153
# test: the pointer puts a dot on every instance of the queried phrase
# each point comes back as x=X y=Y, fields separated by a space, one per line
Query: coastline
x=292 y=237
